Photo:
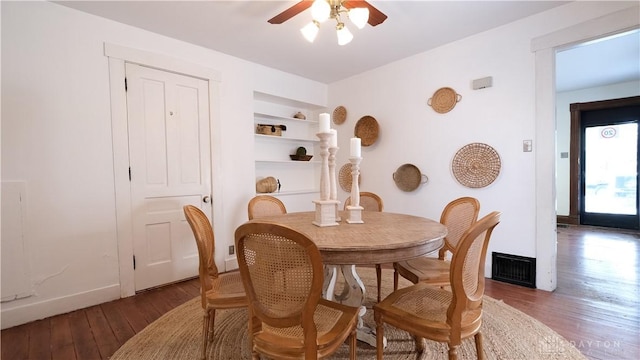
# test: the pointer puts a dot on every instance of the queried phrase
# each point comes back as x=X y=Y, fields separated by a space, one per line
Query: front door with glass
x=609 y=167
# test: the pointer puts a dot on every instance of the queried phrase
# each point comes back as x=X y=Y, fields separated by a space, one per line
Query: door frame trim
x=575 y=148
x=117 y=57
x=544 y=47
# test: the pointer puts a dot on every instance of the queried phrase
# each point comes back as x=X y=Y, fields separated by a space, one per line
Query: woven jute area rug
x=507 y=334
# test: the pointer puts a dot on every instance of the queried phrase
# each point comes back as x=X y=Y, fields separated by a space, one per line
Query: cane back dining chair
x=441 y=315
x=265 y=205
x=283 y=274
x=457 y=216
x=217 y=290
x=370 y=202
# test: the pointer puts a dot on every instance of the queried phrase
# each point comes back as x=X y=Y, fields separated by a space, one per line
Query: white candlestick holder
x=325 y=207
x=333 y=187
x=355 y=210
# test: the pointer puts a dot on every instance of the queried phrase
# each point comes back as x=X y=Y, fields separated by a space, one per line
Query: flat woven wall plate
x=339 y=115
x=367 y=130
x=476 y=165
x=345 y=179
x=444 y=100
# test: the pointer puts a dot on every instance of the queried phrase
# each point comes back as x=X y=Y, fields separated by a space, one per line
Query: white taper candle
x=355 y=150
x=324 y=123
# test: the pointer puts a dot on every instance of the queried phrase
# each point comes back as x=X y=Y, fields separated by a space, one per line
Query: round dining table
x=383 y=237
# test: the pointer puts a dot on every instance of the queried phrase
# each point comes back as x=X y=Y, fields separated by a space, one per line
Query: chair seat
x=331 y=320
x=424 y=269
x=426 y=306
x=227 y=291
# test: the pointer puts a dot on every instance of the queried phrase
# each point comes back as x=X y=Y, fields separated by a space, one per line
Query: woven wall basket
x=408 y=177
x=339 y=115
x=367 y=129
x=345 y=179
x=444 y=100
x=476 y=165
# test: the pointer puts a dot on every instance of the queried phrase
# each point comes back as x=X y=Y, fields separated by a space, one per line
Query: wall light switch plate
x=527 y=145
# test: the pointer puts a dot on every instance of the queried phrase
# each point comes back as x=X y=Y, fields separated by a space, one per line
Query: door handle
x=206 y=199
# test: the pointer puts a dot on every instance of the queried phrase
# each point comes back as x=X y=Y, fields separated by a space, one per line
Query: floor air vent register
x=513 y=269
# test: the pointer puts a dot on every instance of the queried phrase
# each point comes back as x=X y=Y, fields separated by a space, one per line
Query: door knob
x=206 y=199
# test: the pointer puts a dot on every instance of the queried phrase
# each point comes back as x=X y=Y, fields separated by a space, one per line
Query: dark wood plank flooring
x=596 y=305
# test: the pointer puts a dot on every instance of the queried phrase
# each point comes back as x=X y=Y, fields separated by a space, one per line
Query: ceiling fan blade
x=291 y=12
x=376 y=17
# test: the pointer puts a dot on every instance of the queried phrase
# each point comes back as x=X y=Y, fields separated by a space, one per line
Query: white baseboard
x=22 y=314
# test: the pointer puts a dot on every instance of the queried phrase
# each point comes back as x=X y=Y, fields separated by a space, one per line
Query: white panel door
x=169 y=154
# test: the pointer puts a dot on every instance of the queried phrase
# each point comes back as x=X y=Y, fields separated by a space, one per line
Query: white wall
x=563 y=118
x=56 y=138
x=501 y=116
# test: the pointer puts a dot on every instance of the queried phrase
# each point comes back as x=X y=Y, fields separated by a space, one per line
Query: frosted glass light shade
x=310 y=31
x=359 y=17
x=320 y=10
x=344 y=35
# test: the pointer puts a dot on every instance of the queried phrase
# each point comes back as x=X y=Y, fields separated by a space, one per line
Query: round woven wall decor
x=408 y=177
x=339 y=115
x=367 y=129
x=444 y=100
x=476 y=165
x=345 y=179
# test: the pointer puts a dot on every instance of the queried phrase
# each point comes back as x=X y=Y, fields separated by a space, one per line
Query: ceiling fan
x=359 y=12
x=376 y=17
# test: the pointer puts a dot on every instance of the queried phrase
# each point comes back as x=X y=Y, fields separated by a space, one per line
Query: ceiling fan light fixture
x=344 y=35
x=310 y=31
x=320 y=10
x=359 y=17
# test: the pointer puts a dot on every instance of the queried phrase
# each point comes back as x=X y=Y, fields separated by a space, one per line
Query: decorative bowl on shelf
x=301 y=157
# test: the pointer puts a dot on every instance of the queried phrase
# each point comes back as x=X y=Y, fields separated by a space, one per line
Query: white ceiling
x=240 y=29
x=605 y=61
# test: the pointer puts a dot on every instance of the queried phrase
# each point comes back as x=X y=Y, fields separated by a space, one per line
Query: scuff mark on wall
x=15 y=297
x=41 y=281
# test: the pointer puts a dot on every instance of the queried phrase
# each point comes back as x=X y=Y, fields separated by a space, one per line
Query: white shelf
x=259 y=115
x=313 y=162
x=297 y=192
x=284 y=138
x=300 y=179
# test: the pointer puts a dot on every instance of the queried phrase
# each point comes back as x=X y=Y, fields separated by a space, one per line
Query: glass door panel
x=610 y=169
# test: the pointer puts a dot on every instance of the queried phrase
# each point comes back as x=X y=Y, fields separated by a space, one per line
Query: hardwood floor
x=596 y=305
